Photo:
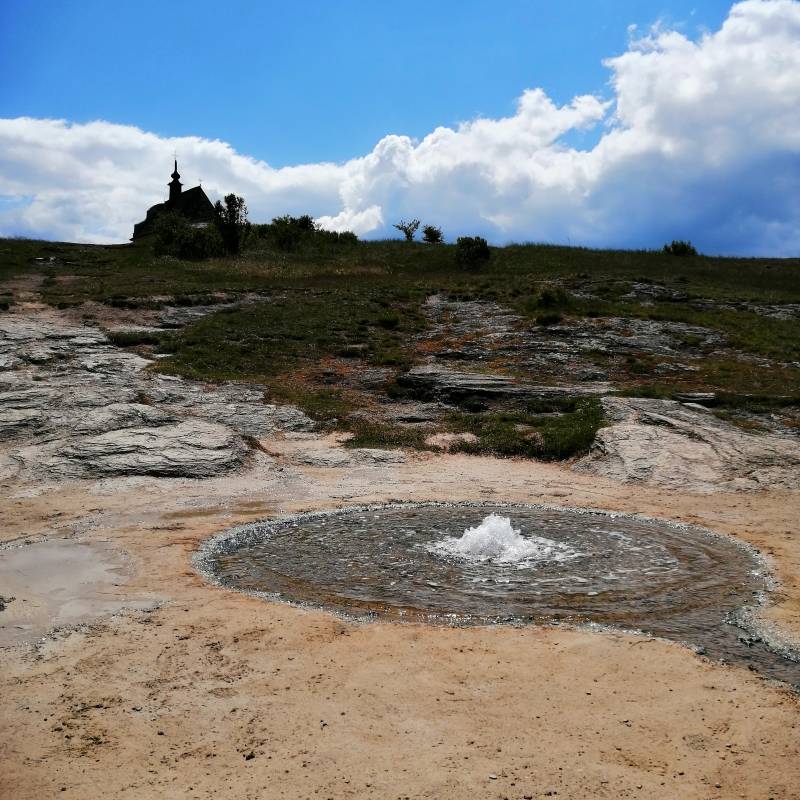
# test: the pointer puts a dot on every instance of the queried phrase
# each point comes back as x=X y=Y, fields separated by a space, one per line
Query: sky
x=610 y=123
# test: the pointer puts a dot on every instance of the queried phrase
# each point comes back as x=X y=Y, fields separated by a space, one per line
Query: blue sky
x=605 y=123
x=314 y=81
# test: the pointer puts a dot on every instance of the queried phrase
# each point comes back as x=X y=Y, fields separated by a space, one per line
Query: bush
x=408 y=229
x=175 y=236
x=680 y=248
x=554 y=297
x=472 y=252
x=291 y=234
x=431 y=234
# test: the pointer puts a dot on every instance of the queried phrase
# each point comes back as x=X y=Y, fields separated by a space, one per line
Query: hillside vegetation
x=303 y=322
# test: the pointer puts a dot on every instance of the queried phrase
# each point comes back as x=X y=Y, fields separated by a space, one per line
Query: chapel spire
x=174 y=184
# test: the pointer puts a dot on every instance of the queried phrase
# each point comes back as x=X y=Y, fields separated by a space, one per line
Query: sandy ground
x=213 y=694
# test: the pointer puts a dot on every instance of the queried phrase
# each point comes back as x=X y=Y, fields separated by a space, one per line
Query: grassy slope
x=362 y=302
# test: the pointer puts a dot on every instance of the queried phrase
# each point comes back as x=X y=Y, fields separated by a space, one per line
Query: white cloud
x=698 y=139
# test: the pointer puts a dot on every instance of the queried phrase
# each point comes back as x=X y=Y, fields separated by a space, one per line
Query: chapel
x=192 y=204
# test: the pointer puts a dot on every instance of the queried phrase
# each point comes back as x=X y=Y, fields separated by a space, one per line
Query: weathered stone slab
x=192 y=449
x=433 y=382
x=665 y=443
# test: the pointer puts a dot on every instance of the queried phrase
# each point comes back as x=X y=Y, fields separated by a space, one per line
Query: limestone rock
x=192 y=448
x=118 y=416
x=344 y=457
x=439 y=383
x=446 y=441
x=668 y=444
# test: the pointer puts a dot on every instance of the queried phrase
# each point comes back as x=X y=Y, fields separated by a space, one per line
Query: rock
x=445 y=441
x=118 y=416
x=665 y=443
x=699 y=398
x=192 y=449
x=650 y=292
x=345 y=457
x=93 y=409
x=372 y=455
x=16 y=421
x=323 y=457
x=439 y=383
x=413 y=413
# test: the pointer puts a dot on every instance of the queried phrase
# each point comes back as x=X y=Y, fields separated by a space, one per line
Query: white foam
x=496 y=540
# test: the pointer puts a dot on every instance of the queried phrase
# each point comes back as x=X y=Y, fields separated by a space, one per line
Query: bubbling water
x=496 y=539
x=466 y=564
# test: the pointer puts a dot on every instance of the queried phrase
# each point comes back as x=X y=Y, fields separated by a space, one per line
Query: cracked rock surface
x=678 y=446
x=73 y=405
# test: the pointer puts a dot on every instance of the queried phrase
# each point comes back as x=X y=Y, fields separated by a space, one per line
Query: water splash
x=498 y=541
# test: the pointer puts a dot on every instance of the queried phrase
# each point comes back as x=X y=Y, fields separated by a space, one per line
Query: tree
x=408 y=228
x=232 y=222
x=472 y=252
x=431 y=234
x=680 y=248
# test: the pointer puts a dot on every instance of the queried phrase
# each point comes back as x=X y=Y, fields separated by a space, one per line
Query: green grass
x=384 y=435
x=530 y=435
x=281 y=342
x=517 y=271
x=136 y=338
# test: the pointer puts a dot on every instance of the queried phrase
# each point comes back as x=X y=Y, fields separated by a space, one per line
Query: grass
x=361 y=306
x=99 y=273
x=136 y=338
x=531 y=435
x=386 y=436
x=278 y=340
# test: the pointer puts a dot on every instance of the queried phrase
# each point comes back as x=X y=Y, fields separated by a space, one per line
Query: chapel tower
x=174 y=185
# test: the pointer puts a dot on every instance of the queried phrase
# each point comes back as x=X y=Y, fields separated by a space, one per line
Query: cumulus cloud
x=698 y=139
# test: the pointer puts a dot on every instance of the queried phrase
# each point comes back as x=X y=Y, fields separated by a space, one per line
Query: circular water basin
x=489 y=563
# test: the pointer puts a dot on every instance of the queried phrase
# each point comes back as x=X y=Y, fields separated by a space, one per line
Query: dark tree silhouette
x=408 y=228
x=232 y=222
x=680 y=248
x=472 y=252
x=431 y=234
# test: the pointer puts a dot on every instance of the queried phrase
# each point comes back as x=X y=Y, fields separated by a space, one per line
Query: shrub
x=408 y=228
x=175 y=236
x=134 y=338
x=431 y=234
x=286 y=232
x=680 y=248
x=291 y=234
x=554 y=297
x=472 y=252
x=347 y=237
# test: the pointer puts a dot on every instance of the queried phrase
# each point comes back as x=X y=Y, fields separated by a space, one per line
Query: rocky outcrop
x=432 y=382
x=75 y=405
x=192 y=449
x=345 y=457
x=668 y=444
